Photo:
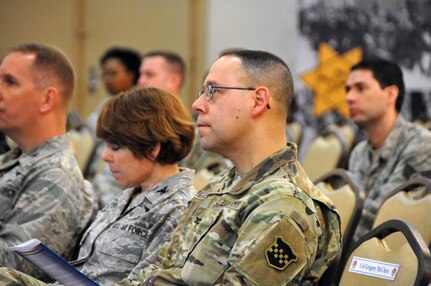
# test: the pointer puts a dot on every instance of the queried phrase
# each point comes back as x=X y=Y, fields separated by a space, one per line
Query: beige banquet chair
x=349 y=201
x=410 y=202
x=349 y=132
x=294 y=132
x=82 y=144
x=324 y=153
x=372 y=262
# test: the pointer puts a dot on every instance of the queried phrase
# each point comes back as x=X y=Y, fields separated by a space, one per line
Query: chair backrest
x=410 y=202
x=82 y=140
x=349 y=200
x=294 y=132
x=95 y=163
x=347 y=197
x=349 y=133
x=12 y=144
x=324 y=153
x=372 y=262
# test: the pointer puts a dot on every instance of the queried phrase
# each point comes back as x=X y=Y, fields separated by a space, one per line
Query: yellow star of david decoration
x=328 y=79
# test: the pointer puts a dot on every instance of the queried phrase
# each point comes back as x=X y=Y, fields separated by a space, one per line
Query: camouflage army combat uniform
x=126 y=235
x=404 y=154
x=42 y=195
x=271 y=227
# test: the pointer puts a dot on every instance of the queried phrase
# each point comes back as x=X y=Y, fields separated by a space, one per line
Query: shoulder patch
x=280 y=254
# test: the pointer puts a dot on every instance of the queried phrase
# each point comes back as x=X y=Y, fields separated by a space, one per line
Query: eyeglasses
x=210 y=90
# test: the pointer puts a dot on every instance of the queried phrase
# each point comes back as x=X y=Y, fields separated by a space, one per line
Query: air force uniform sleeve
x=42 y=195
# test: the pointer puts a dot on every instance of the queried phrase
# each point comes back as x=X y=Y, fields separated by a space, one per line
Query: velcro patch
x=280 y=254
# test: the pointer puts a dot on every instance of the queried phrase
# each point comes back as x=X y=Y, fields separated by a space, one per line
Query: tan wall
x=85 y=29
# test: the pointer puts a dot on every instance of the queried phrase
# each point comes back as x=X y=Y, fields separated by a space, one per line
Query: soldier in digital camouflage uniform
x=42 y=191
x=262 y=222
x=395 y=150
x=126 y=235
x=123 y=245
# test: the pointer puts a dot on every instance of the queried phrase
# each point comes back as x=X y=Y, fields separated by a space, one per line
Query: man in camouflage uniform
x=262 y=222
x=395 y=150
x=42 y=192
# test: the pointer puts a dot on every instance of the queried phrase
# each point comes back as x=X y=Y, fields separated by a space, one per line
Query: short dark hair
x=387 y=73
x=175 y=61
x=140 y=118
x=264 y=68
x=130 y=58
x=50 y=63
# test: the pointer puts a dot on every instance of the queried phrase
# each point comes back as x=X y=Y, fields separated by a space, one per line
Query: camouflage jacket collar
x=257 y=174
x=392 y=141
x=46 y=149
x=169 y=186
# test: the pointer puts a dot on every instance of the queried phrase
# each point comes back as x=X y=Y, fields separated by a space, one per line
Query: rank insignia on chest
x=280 y=254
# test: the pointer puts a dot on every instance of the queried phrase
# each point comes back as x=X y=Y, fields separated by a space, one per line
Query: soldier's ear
x=261 y=100
x=49 y=98
x=392 y=92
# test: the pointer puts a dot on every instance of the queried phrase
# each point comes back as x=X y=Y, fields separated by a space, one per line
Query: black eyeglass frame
x=209 y=91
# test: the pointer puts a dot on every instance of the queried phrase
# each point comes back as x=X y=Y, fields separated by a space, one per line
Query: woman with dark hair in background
x=120 y=72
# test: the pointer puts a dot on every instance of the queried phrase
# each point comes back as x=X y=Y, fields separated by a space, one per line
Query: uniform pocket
x=123 y=246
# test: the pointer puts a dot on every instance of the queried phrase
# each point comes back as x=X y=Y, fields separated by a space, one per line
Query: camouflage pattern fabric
x=271 y=227
x=125 y=237
x=12 y=277
x=127 y=233
x=42 y=195
x=405 y=153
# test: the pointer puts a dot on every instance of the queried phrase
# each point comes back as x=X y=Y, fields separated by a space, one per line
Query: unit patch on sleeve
x=280 y=254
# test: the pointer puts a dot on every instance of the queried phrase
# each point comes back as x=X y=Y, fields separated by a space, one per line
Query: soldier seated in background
x=395 y=150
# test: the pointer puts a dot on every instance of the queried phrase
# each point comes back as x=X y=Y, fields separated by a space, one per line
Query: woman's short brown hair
x=140 y=118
